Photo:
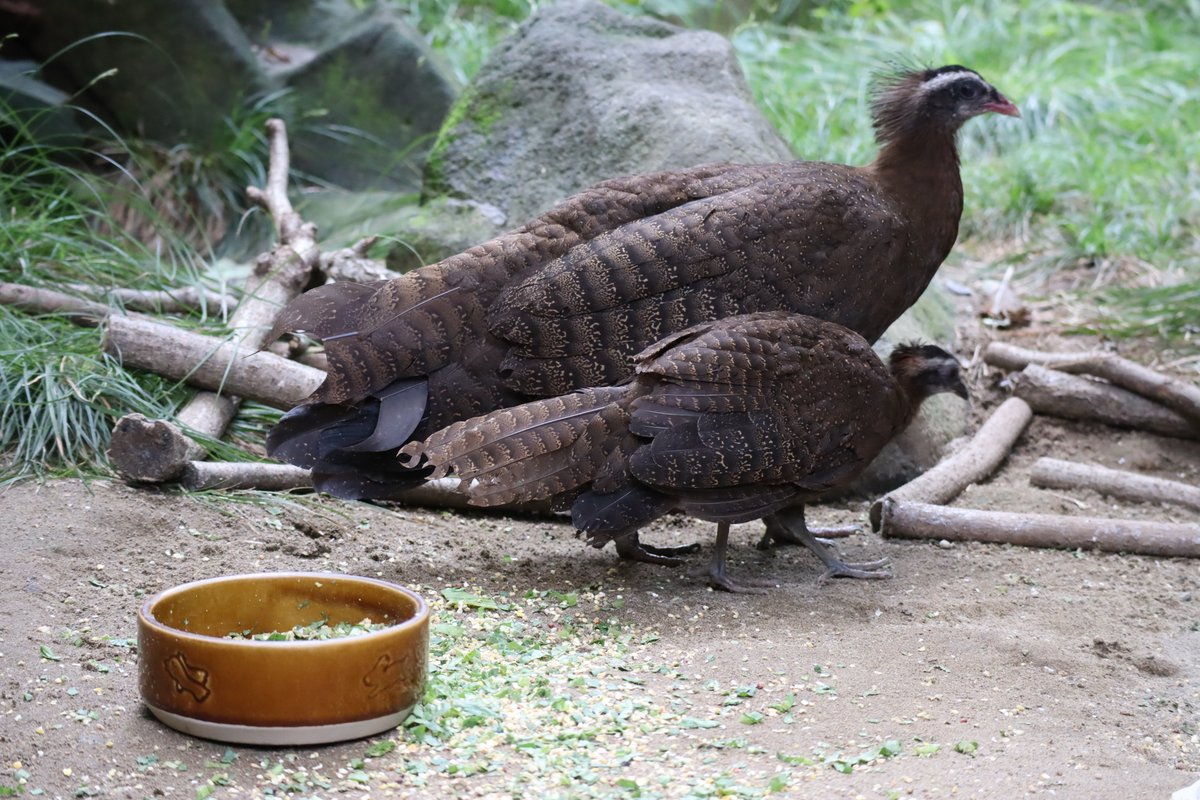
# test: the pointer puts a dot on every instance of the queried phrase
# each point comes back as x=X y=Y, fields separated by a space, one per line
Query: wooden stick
x=165 y=301
x=1061 y=395
x=198 y=475
x=47 y=301
x=923 y=521
x=1178 y=395
x=1052 y=473
x=973 y=462
x=278 y=276
x=209 y=363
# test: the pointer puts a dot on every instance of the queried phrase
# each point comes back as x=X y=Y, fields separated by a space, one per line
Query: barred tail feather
x=528 y=452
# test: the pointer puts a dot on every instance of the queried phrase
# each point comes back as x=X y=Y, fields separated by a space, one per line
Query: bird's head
x=911 y=101
x=924 y=370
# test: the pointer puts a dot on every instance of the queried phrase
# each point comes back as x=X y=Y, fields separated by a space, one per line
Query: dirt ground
x=1059 y=674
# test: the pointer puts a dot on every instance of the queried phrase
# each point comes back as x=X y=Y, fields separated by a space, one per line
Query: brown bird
x=564 y=302
x=729 y=421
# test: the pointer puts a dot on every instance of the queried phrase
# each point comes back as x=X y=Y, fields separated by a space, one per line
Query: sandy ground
x=1078 y=674
x=1061 y=674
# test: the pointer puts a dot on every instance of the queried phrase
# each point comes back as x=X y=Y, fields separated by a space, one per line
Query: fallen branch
x=165 y=301
x=209 y=363
x=924 y=521
x=1178 y=395
x=1061 y=395
x=198 y=475
x=35 y=300
x=971 y=463
x=278 y=277
x=1052 y=473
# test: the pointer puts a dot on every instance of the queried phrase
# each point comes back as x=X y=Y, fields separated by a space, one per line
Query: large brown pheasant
x=747 y=417
x=566 y=301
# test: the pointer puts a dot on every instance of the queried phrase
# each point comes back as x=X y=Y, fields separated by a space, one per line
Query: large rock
x=364 y=93
x=364 y=89
x=419 y=234
x=171 y=71
x=582 y=93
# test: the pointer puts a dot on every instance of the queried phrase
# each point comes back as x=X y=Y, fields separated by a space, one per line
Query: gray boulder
x=417 y=234
x=366 y=93
x=170 y=71
x=582 y=93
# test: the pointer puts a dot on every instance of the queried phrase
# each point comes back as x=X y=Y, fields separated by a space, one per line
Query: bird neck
x=919 y=166
x=919 y=171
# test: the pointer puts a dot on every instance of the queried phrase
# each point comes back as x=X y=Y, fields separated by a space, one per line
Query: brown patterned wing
x=432 y=317
x=795 y=241
x=762 y=400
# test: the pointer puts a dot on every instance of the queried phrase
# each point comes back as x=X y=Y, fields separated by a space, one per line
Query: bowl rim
x=146 y=616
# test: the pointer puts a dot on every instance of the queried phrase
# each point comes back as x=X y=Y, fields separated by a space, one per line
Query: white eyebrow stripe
x=938 y=81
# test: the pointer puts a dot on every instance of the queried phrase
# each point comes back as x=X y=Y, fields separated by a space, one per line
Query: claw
x=717 y=578
x=778 y=535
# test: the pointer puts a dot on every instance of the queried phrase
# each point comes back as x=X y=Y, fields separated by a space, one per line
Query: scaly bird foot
x=632 y=548
x=779 y=536
x=717 y=579
x=865 y=570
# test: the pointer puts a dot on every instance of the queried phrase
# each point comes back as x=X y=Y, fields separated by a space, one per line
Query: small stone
x=945 y=544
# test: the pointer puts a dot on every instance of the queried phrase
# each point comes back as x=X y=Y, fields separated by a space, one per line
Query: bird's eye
x=967 y=90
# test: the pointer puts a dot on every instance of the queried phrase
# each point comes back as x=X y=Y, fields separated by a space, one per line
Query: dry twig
x=1053 y=473
x=278 y=276
x=35 y=300
x=1062 y=395
x=1178 y=395
x=166 y=301
x=972 y=462
x=210 y=363
x=924 y=521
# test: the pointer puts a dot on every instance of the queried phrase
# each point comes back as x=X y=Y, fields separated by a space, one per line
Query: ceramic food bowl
x=199 y=682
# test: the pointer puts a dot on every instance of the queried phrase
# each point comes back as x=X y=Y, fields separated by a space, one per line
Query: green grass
x=59 y=394
x=60 y=397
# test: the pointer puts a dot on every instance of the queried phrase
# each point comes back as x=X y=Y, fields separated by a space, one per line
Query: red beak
x=1003 y=106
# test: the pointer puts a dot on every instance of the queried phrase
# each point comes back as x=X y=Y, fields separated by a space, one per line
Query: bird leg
x=631 y=547
x=779 y=535
x=788 y=526
x=716 y=570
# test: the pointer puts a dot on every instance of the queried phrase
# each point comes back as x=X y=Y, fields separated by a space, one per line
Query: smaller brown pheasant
x=747 y=417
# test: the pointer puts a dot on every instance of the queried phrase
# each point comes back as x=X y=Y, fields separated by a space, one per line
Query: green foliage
x=59 y=396
x=464 y=31
x=59 y=393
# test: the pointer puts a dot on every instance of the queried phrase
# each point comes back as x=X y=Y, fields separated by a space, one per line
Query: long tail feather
x=527 y=452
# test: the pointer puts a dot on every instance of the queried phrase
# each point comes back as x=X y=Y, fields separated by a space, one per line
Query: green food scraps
x=317 y=630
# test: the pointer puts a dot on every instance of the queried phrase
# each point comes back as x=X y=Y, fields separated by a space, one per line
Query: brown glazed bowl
x=282 y=692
